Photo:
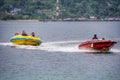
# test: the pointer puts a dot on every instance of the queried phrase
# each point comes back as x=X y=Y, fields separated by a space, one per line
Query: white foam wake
x=115 y=50
x=6 y=44
x=62 y=46
x=55 y=46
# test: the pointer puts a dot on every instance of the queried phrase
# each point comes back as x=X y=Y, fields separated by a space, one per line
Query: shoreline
x=20 y=20
x=60 y=20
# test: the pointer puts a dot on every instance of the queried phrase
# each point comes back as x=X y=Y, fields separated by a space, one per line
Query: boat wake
x=56 y=46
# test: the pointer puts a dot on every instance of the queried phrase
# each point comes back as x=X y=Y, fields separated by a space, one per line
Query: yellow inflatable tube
x=26 y=40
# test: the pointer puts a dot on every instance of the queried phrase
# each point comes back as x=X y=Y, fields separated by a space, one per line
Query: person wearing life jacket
x=24 y=33
x=33 y=34
x=16 y=33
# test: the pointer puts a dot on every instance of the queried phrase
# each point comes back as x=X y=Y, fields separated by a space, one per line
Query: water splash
x=6 y=44
x=115 y=50
x=55 y=46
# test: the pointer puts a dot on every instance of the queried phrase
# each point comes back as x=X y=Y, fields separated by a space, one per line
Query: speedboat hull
x=26 y=40
x=99 y=45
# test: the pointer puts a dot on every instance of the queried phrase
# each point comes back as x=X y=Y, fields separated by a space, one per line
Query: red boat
x=99 y=45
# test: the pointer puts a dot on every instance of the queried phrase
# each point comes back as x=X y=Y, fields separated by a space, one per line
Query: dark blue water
x=58 y=58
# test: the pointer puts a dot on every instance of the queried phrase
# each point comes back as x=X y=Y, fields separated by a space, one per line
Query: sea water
x=58 y=57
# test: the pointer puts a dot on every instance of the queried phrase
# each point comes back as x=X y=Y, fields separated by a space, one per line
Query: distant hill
x=46 y=9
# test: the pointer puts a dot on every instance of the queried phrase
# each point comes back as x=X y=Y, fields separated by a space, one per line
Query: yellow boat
x=26 y=40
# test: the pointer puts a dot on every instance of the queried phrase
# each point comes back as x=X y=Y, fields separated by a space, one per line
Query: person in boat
x=33 y=34
x=24 y=33
x=95 y=37
x=103 y=38
x=16 y=33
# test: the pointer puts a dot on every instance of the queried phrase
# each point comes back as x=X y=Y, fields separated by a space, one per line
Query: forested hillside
x=46 y=9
